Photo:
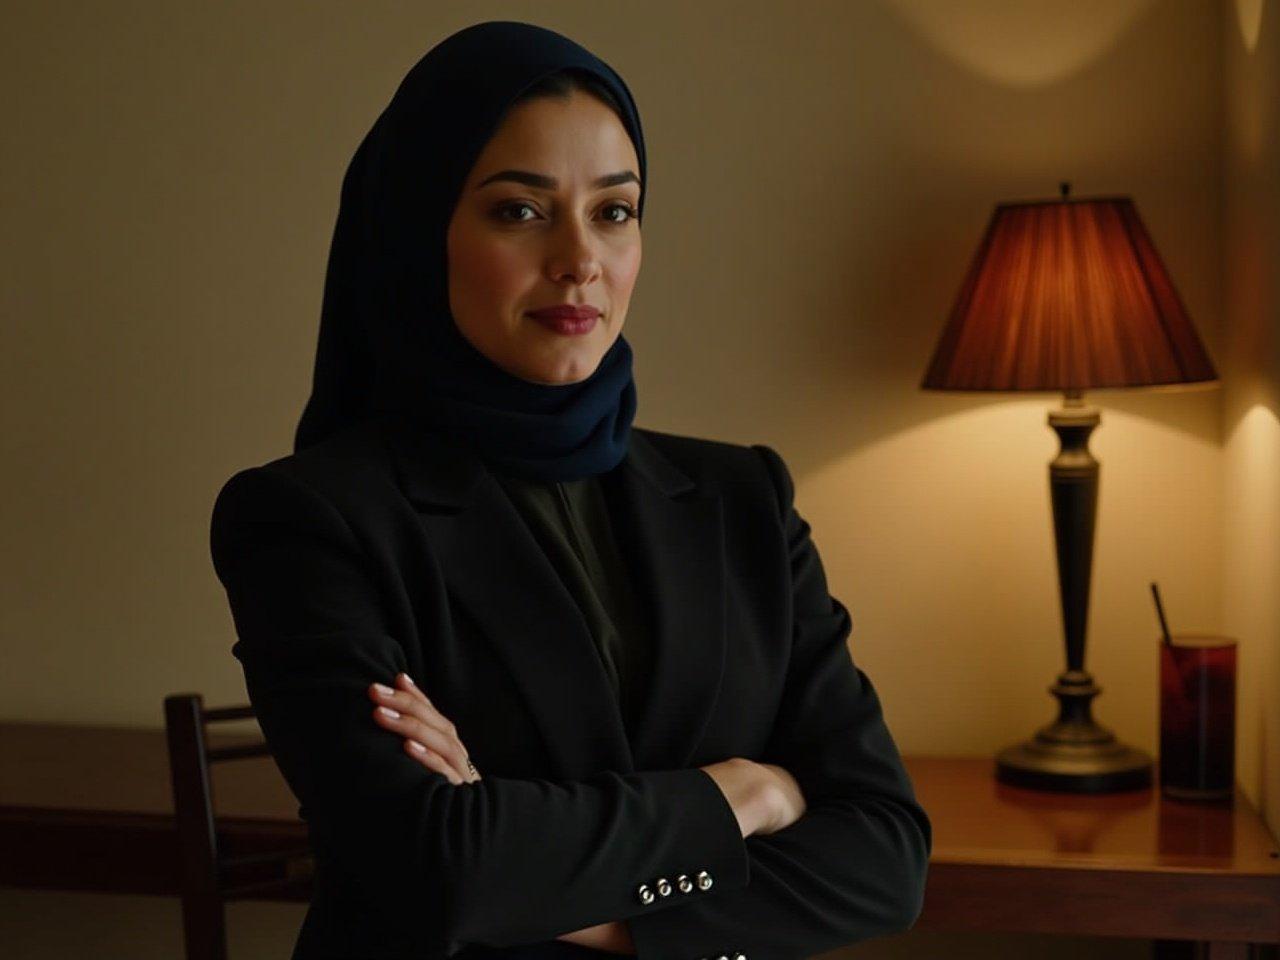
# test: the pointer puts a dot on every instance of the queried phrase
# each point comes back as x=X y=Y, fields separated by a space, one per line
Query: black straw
x=1164 y=626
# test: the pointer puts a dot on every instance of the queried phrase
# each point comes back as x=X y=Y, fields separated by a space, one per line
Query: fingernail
x=416 y=747
x=388 y=712
x=408 y=679
x=383 y=691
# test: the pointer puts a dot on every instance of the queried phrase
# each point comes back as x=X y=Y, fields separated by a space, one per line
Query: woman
x=628 y=631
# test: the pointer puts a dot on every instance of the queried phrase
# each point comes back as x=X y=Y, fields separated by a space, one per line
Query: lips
x=566 y=311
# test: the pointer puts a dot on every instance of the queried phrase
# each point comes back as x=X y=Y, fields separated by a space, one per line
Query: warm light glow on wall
x=1257 y=438
x=1027 y=44
x=1249 y=17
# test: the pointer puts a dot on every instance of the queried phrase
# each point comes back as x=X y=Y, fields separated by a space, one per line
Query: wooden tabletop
x=126 y=770
x=978 y=820
x=1003 y=858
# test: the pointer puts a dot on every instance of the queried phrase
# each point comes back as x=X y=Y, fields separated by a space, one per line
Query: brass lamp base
x=1074 y=754
x=1104 y=768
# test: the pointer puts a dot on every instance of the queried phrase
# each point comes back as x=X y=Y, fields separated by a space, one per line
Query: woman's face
x=546 y=218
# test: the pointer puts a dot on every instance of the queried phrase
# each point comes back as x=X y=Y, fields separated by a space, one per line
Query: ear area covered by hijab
x=387 y=340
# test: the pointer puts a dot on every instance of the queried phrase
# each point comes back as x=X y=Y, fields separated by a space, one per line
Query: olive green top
x=571 y=521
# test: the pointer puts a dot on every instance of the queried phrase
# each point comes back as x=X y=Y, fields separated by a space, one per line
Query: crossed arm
x=503 y=861
x=765 y=798
x=432 y=740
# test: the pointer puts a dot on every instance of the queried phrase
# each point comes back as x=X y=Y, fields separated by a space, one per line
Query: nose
x=573 y=256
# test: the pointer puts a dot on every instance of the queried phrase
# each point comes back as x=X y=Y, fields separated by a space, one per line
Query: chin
x=548 y=381
x=560 y=375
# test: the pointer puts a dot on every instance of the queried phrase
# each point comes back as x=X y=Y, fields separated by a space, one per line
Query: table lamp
x=1069 y=295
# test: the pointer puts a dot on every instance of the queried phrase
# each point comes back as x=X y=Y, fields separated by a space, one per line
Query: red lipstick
x=567 y=318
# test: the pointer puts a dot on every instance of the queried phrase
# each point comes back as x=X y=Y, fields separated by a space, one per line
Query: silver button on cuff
x=685 y=885
x=664 y=887
x=646 y=895
x=739 y=956
x=704 y=883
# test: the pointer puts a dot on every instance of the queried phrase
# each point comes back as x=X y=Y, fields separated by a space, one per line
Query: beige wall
x=820 y=173
x=1251 y=369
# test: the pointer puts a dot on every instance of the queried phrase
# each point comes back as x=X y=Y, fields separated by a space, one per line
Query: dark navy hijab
x=388 y=342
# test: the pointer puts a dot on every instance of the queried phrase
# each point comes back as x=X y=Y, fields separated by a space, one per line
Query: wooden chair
x=208 y=874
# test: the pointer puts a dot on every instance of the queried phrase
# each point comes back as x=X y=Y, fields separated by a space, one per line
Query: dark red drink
x=1198 y=717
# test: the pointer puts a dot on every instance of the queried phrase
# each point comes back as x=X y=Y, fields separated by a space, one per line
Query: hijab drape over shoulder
x=388 y=342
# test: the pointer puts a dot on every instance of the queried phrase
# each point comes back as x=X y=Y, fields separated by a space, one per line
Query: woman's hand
x=789 y=802
x=614 y=937
x=432 y=739
x=429 y=736
x=764 y=796
x=750 y=790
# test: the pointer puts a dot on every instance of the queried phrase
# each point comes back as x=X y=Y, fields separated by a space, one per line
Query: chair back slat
x=204 y=928
x=205 y=873
x=214 y=714
x=214 y=754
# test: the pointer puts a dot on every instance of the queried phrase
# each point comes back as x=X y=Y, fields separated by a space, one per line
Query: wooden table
x=85 y=808
x=1008 y=859
x=90 y=808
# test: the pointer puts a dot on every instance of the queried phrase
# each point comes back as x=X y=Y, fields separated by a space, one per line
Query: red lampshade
x=1067 y=295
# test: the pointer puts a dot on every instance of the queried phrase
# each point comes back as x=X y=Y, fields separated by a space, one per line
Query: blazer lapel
x=671 y=532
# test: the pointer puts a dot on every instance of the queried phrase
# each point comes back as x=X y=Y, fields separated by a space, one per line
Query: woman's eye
x=508 y=207
x=625 y=207
x=510 y=212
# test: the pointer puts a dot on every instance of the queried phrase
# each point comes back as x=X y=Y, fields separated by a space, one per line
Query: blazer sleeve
x=499 y=862
x=854 y=865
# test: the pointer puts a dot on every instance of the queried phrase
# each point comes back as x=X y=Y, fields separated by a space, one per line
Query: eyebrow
x=543 y=182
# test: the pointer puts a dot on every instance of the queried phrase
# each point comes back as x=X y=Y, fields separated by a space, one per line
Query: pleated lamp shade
x=1067 y=295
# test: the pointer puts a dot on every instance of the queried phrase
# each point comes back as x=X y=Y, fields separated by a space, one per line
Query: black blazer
x=385 y=549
